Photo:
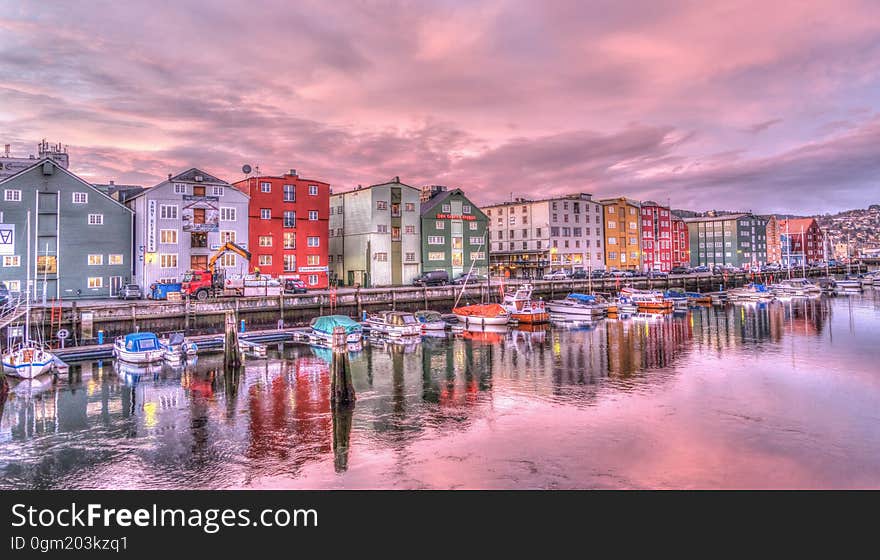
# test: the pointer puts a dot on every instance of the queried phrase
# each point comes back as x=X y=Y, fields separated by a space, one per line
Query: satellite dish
x=246 y=169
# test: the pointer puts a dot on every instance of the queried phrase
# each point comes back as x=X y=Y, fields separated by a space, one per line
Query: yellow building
x=623 y=240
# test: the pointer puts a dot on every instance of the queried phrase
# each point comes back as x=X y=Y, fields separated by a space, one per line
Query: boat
x=394 y=323
x=578 y=306
x=178 y=349
x=430 y=320
x=800 y=287
x=523 y=308
x=697 y=298
x=482 y=314
x=677 y=296
x=27 y=360
x=850 y=283
x=720 y=297
x=652 y=302
x=647 y=316
x=828 y=285
x=138 y=348
x=751 y=292
x=322 y=328
x=625 y=305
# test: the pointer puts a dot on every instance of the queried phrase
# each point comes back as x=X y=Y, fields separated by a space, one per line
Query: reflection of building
x=801 y=241
x=182 y=221
x=80 y=244
x=664 y=238
x=623 y=246
x=288 y=221
x=528 y=238
x=739 y=240
x=453 y=234
x=375 y=237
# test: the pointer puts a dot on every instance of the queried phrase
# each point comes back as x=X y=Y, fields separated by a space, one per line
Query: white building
x=182 y=221
x=375 y=235
x=528 y=238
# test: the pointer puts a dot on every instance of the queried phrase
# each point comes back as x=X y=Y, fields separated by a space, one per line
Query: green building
x=453 y=233
x=738 y=240
x=73 y=239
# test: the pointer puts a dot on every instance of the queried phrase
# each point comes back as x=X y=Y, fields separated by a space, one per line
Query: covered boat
x=138 y=348
x=482 y=314
x=579 y=305
x=430 y=320
x=394 y=323
x=322 y=328
x=677 y=296
x=178 y=349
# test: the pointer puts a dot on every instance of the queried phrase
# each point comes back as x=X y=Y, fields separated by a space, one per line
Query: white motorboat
x=800 y=287
x=139 y=348
x=178 y=349
x=578 y=306
x=850 y=283
x=322 y=328
x=394 y=323
x=430 y=320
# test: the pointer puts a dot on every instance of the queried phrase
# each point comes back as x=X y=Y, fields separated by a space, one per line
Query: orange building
x=623 y=245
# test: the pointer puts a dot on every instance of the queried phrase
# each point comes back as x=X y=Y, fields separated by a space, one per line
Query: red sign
x=456 y=217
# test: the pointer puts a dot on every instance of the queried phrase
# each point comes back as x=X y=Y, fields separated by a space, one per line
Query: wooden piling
x=231 y=350
x=341 y=386
x=342 y=420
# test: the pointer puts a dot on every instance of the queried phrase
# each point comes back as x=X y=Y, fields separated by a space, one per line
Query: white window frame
x=227 y=214
x=96 y=260
x=218 y=191
x=165 y=260
x=95 y=282
x=96 y=219
x=80 y=198
x=313 y=190
x=313 y=215
x=265 y=187
x=170 y=232
x=12 y=195
x=11 y=261
x=265 y=213
x=115 y=259
x=265 y=260
x=179 y=188
x=317 y=242
x=168 y=212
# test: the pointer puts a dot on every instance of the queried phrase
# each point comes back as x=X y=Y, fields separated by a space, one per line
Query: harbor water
x=775 y=395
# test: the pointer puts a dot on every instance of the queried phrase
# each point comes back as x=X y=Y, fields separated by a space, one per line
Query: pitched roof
x=719 y=217
x=191 y=174
x=430 y=204
x=795 y=224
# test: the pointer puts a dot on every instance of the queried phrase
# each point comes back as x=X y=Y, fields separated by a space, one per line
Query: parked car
x=557 y=275
x=579 y=274
x=432 y=278
x=657 y=274
x=599 y=274
x=130 y=291
x=700 y=269
x=621 y=274
x=295 y=286
x=473 y=279
x=679 y=270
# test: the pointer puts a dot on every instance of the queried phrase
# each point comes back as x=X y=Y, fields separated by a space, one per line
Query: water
x=774 y=396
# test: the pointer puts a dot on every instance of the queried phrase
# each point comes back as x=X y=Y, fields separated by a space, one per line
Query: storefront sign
x=7 y=239
x=312 y=269
x=151 y=226
x=466 y=217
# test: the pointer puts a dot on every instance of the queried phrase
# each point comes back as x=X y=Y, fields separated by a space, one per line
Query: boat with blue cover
x=579 y=305
x=139 y=348
x=322 y=328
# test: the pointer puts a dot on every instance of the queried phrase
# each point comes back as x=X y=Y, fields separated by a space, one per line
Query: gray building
x=739 y=240
x=80 y=239
x=10 y=165
x=182 y=221
x=453 y=233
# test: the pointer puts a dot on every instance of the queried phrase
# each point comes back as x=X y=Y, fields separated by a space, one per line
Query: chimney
x=169 y=176
x=292 y=172
x=6 y=149
x=112 y=182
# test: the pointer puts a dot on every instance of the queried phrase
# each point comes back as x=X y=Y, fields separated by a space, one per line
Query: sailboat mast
x=27 y=296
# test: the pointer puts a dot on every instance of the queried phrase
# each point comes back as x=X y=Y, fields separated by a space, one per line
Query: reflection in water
x=778 y=395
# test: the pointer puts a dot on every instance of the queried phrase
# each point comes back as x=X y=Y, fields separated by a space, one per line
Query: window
x=395 y=233
x=409 y=207
x=446 y=208
x=179 y=188
x=80 y=198
x=612 y=241
x=227 y=260
x=436 y=240
x=96 y=260
x=313 y=279
x=476 y=240
x=227 y=214
x=440 y=224
x=395 y=210
x=265 y=260
x=410 y=257
x=289 y=240
x=436 y=256
x=11 y=260
x=265 y=241
x=313 y=260
x=96 y=282
x=554 y=232
x=512 y=221
x=314 y=242
x=382 y=228
x=537 y=232
x=115 y=259
x=168 y=260
x=381 y=205
x=217 y=191
x=410 y=230
x=381 y=257
x=289 y=218
x=289 y=263
x=525 y=233
x=266 y=187
x=289 y=193
x=96 y=219
x=478 y=256
x=168 y=236
x=227 y=236
x=526 y=245
x=313 y=215
x=466 y=209
x=473 y=226
x=265 y=213
x=313 y=190
x=612 y=225
x=168 y=211
x=330 y=259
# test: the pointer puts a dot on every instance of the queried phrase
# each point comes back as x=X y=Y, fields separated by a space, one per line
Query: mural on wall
x=201 y=215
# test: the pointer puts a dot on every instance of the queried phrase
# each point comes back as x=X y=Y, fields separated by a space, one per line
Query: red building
x=664 y=238
x=801 y=238
x=288 y=226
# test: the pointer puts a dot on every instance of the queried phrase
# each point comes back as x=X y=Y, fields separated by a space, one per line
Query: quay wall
x=120 y=317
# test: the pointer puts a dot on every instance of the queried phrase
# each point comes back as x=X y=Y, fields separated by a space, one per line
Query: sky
x=737 y=105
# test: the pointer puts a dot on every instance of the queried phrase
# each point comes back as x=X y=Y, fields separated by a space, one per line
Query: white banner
x=151 y=226
x=7 y=239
